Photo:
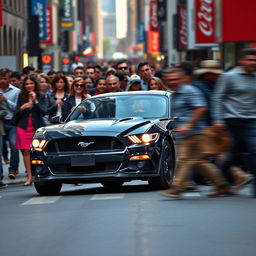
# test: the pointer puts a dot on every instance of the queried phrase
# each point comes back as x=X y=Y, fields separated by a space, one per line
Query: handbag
x=215 y=142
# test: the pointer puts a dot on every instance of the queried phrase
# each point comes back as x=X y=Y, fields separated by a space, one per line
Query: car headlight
x=39 y=145
x=145 y=138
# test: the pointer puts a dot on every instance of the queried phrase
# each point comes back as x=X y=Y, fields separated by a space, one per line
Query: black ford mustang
x=111 y=138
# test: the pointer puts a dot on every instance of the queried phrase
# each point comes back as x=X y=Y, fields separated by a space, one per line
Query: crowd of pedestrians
x=203 y=96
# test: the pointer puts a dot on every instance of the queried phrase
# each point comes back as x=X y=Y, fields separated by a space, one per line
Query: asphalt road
x=88 y=220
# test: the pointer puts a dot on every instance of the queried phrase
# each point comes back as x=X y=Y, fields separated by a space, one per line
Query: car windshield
x=145 y=106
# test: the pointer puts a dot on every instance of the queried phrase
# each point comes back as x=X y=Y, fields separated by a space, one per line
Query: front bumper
x=97 y=167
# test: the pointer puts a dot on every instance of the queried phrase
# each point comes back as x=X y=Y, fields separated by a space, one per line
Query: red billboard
x=205 y=21
x=1 y=14
x=238 y=22
x=182 y=27
x=153 y=29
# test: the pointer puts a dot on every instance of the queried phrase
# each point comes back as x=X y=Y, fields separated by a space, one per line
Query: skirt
x=24 y=136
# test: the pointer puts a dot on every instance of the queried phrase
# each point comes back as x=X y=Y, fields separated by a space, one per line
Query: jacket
x=51 y=111
x=37 y=111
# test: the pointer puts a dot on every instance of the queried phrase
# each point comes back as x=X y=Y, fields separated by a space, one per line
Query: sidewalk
x=20 y=177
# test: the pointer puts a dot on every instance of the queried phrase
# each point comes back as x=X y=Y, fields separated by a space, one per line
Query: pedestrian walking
x=29 y=114
x=134 y=84
x=234 y=103
x=3 y=112
x=9 y=96
x=189 y=107
x=59 y=96
x=145 y=72
x=78 y=93
x=156 y=83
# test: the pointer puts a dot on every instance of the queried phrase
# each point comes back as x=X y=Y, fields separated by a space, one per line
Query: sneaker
x=3 y=185
x=12 y=175
x=246 y=180
x=174 y=193
x=220 y=191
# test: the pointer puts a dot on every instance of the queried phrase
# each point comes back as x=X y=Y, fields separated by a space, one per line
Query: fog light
x=139 y=157
x=37 y=162
x=140 y=164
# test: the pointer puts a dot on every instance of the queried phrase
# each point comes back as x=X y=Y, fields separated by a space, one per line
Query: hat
x=110 y=70
x=208 y=66
x=134 y=79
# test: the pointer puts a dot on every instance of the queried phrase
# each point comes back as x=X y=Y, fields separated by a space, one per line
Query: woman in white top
x=77 y=93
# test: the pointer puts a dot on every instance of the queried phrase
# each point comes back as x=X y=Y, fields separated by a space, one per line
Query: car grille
x=98 y=168
x=110 y=144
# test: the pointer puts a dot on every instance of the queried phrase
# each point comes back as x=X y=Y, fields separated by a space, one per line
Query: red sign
x=238 y=20
x=153 y=30
x=182 y=27
x=49 y=39
x=1 y=14
x=46 y=59
x=205 y=21
x=65 y=61
x=92 y=38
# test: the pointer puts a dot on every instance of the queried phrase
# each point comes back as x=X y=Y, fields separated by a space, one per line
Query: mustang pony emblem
x=84 y=144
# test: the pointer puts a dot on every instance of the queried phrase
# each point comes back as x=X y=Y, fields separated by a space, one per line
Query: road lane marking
x=192 y=194
x=107 y=196
x=42 y=200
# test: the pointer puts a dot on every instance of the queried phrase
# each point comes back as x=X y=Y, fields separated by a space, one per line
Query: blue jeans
x=243 y=133
x=10 y=131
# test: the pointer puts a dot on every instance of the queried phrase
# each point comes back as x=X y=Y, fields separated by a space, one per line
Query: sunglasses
x=79 y=85
x=125 y=68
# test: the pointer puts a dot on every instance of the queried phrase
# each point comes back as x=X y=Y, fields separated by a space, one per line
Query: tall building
x=13 y=33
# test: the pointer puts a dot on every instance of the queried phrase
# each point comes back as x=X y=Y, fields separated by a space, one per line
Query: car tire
x=165 y=168
x=47 y=188
x=112 y=184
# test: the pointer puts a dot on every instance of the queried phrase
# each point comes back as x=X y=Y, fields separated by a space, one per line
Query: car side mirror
x=171 y=125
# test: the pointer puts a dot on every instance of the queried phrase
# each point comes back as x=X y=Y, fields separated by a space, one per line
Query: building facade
x=13 y=33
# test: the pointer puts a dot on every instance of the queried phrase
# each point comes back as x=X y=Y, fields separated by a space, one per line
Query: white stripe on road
x=192 y=194
x=107 y=196
x=42 y=200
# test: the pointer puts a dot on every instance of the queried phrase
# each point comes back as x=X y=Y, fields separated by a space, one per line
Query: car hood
x=109 y=127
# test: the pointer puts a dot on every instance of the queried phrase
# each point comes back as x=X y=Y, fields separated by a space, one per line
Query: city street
x=89 y=220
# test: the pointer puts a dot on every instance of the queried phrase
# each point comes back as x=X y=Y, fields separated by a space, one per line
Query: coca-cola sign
x=153 y=30
x=182 y=27
x=205 y=21
x=153 y=20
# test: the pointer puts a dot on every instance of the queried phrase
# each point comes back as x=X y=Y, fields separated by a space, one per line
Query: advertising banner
x=49 y=38
x=153 y=29
x=238 y=22
x=204 y=21
x=47 y=63
x=38 y=8
x=67 y=17
x=141 y=32
x=182 y=43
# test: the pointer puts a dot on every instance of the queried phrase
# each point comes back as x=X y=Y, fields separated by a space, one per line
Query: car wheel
x=112 y=184
x=166 y=168
x=47 y=188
